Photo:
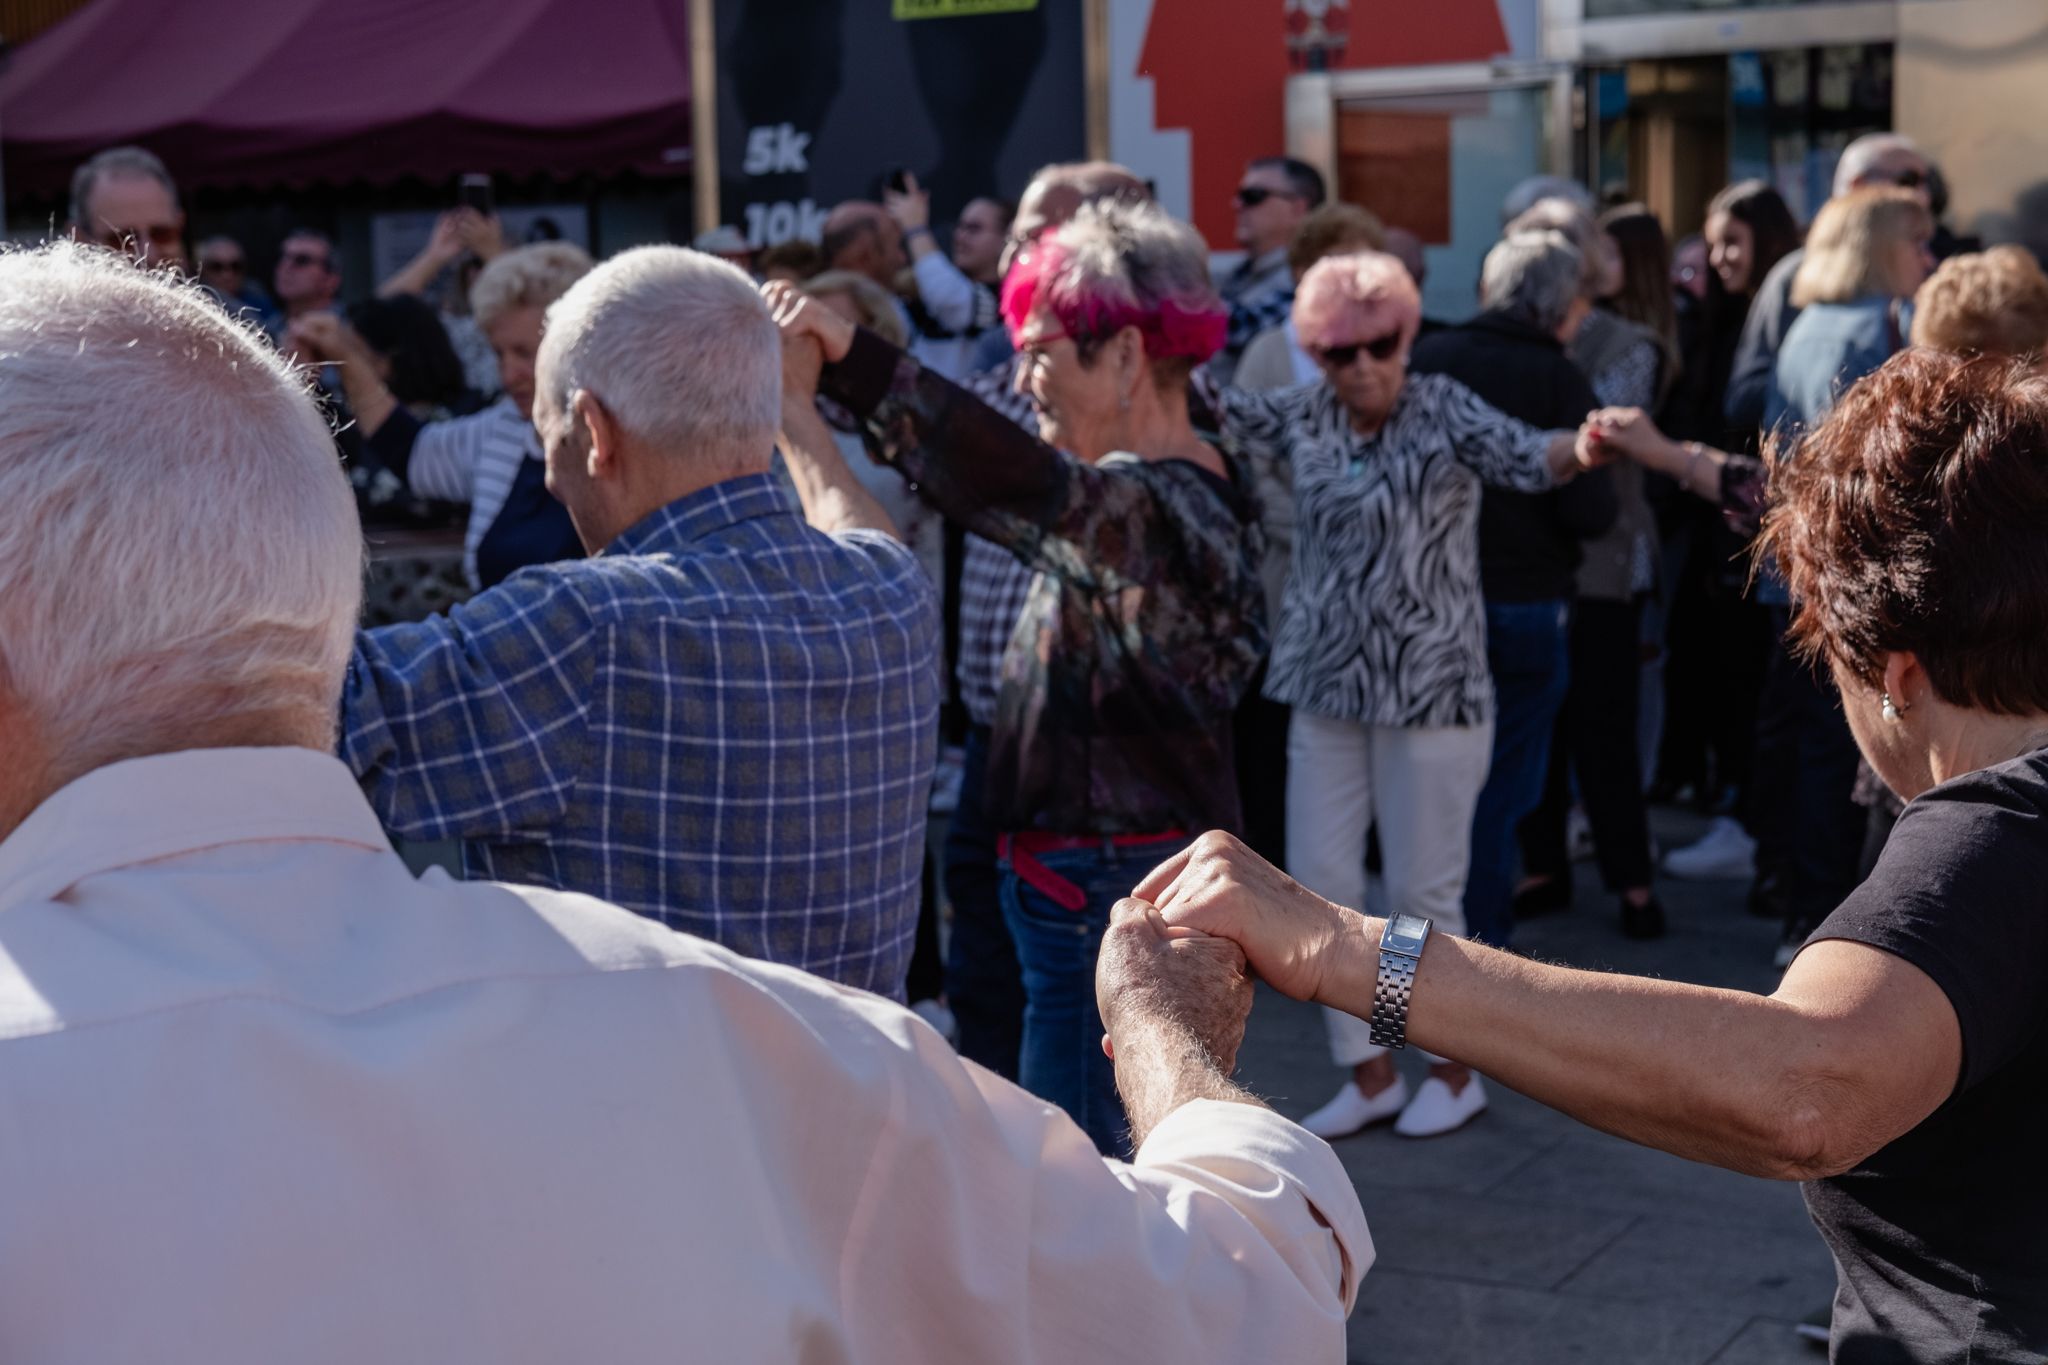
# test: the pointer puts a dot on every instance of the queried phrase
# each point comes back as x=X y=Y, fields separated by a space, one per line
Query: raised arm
x=972 y=463
x=473 y=724
x=833 y=498
x=955 y=302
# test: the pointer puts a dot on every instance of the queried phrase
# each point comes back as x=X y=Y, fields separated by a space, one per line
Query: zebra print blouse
x=1382 y=622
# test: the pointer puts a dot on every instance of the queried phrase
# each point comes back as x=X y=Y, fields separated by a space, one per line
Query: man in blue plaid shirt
x=725 y=719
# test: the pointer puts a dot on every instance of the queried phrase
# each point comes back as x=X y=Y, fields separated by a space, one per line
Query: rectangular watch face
x=1404 y=933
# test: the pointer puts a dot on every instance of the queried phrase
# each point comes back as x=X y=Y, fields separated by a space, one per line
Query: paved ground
x=1528 y=1237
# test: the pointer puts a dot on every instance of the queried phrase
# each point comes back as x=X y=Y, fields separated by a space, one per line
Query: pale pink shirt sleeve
x=986 y=1226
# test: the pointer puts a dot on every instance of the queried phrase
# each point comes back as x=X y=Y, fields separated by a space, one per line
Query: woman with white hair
x=1112 y=736
x=1381 y=644
x=491 y=459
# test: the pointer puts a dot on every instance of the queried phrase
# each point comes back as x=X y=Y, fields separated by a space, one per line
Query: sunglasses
x=305 y=258
x=221 y=267
x=1251 y=196
x=1343 y=357
x=1910 y=179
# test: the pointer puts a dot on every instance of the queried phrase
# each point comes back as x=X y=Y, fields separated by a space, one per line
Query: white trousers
x=1420 y=787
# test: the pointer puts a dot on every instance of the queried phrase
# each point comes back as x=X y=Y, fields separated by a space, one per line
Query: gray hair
x=1599 y=260
x=1126 y=260
x=678 y=347
x=1860 y=157
x=1532 y=276
x=1528 y=193
x=115 y=161
x=136 y=419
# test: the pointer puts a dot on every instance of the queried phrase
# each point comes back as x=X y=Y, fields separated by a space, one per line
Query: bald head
x=1058 y=191
x=861 y=236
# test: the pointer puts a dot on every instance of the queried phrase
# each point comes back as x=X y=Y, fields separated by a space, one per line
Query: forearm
x=968 y=460
x=1561 y=455
x=948 y=294
x=1160 y=1066
x=1710 y=1075
x=368 y=398
x=414 y=276
x=833 y=499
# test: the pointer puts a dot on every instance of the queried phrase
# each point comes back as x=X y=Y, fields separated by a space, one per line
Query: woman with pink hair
x=1381 y=643
x=1112 y=739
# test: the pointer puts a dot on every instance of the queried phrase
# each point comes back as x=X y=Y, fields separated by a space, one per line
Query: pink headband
x=1173 y=331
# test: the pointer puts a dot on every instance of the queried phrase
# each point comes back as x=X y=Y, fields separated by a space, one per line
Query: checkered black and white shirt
x=993 y=581
x=725 y=722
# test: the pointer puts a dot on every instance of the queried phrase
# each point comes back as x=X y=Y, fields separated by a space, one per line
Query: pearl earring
x=1890 y=707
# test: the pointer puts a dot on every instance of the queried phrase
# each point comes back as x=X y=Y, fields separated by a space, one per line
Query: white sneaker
x=1726 y=852
x=1436 y=1110
x=1351 y=1109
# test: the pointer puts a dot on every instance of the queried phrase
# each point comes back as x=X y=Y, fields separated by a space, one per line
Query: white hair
x=678 y=347
x=1860 y=157
x=179 y=548
x=1533 y=276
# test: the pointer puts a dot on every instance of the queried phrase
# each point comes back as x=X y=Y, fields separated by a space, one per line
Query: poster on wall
x=820 y=101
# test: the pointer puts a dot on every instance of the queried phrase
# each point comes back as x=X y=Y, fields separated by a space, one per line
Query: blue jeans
x=983 y=986
x=1526 y=651
x=1062 y=1059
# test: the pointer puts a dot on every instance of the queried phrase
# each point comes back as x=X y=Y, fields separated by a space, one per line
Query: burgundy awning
x=292 y=92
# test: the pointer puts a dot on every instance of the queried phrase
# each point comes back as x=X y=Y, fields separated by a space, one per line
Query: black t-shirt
x=1941 y=1238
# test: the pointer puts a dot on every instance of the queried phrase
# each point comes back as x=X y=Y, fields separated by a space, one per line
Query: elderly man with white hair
x=271 y=1097
x=724 y=720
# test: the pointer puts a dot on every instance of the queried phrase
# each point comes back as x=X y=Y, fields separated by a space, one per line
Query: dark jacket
x=1528 y=542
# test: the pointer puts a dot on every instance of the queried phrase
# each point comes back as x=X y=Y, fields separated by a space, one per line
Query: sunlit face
x=1365 y=364
x=136 y=215
x=1731 y=250
x=1077 y=404
x=306 y=273
x=1268 y=209
x=515 y=339
x=978 y=239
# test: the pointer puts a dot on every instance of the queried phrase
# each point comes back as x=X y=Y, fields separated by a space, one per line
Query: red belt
x=1022 y=850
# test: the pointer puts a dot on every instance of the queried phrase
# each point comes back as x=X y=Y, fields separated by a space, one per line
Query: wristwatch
x=1400 y=951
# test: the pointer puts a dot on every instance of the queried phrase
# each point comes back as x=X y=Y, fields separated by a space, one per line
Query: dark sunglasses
x=1251 y=196
x=302 y=258
x=1910 y=179
x=1342 y=357
x=222 y=267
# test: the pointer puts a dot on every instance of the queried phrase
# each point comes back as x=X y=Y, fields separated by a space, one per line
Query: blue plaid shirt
x=726 y=722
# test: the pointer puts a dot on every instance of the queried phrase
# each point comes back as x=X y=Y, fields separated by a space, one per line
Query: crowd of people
x=1171 y=559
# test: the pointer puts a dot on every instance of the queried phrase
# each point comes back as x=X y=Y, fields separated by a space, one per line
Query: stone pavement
x=1528 y=1238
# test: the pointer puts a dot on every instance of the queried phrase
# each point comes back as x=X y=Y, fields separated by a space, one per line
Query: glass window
x=1439 y=165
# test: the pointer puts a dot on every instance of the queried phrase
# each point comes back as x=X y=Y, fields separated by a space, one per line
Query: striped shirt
x=473 y=459
x=723 y=722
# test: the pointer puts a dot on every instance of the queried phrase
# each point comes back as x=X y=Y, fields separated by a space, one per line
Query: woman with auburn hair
x=1381 y=644
x=1112 y=736
x=1900 y=1069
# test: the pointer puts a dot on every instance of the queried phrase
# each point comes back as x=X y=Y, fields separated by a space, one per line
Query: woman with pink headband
x=1112 y=737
